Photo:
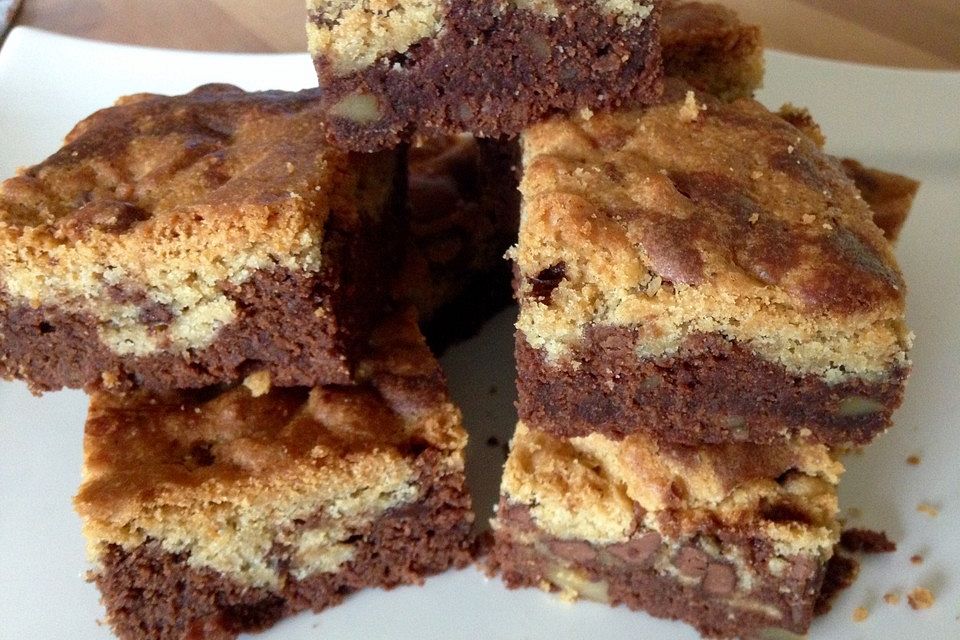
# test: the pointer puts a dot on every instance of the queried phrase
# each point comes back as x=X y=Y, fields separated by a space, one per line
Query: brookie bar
x=702 y=272
x=388 y=68
x=732 y=539
x=210 y=513
x=170 y=237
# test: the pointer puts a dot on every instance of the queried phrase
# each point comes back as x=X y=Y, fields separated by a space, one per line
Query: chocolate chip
x=638 y=549
x=575 y=550
x=200 y=454
x=783 y=512
x=720 y=579
x=544 y=283
x=692 y=562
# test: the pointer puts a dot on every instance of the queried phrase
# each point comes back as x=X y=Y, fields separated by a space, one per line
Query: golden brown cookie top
x=703 y=194
x=160 y=159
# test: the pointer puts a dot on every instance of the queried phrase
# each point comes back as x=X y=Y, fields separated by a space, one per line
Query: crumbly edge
x=183 y=259
x=231 y=528
x=351 y=36
x=592 y=488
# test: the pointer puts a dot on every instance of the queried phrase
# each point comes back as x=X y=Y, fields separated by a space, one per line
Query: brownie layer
x=492 y=70
x=151 y=594
x=464 y=212
x=668 y=581
x=711 y=391
x=326 y=317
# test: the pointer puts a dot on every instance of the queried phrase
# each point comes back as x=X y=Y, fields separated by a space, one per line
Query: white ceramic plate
x=900 y=120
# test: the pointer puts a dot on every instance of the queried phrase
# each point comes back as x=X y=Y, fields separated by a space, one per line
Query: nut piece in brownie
x=702 y=272
x=170 y=239
x=464 y=211
x=485 y=67
x=708 y=46
x=210 y=513
x=732 y=539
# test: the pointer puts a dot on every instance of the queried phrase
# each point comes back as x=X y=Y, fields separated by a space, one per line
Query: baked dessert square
x=702 y=272
x=707 y=45
x=464 y=213
x=388 y=68
x=214 y=512
x=171 y=237
x=732 y=539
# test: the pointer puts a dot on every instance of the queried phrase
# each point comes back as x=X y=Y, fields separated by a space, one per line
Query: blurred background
x=903 y=33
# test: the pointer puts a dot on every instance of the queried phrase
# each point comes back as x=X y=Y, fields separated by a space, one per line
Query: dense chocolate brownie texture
x=151 y=594
x=51 y=348
x=484 y=67
x=699 y=590
x=464 y=210
x=711 y=391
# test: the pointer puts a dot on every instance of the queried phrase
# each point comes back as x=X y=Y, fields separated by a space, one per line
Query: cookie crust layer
x=151 y=594
x=486 y=68
x=711 y=391
x=697 y=216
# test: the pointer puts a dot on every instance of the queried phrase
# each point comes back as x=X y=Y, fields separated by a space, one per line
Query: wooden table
x=906 y=33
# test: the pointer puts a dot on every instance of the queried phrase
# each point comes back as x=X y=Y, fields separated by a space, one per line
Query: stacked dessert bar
x=709 y=316
x=264 y=435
